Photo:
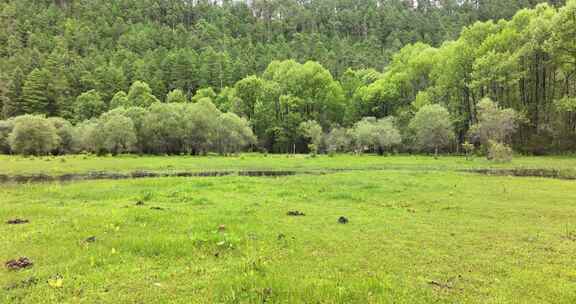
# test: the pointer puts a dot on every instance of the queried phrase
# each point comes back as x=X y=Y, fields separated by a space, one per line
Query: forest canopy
x=261 y=71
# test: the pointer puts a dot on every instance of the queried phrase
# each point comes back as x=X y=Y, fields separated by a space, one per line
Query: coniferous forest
x=192 y=76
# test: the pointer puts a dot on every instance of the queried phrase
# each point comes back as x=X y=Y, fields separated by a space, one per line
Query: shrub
x=432 y=127
x=499 y=152
x=468 y=149
x=6 y=127
x=33 y=135
x=64 y=130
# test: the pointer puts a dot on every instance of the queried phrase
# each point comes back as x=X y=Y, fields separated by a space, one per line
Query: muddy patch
x=39 y=178
x=524 y=172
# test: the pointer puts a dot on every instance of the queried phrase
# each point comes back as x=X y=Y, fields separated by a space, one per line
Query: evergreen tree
x=34 y=93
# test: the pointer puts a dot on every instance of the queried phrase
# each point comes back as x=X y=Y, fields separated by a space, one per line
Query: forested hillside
x=280 y=64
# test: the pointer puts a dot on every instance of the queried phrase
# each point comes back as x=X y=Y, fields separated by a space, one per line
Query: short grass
x=414 y=236
x=12 y=165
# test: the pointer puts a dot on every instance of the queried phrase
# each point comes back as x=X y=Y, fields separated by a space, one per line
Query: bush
x=33 y=135
x=64 y=130
x=468 y=149
x=499 y=152
x=89 y=104
x=116 y=134
x=433 y=128
x=6 y=127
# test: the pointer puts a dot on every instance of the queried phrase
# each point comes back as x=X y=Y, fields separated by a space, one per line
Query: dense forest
x=289 y=75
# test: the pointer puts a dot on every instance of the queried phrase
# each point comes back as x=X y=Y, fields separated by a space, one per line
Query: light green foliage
x=250 y=91
x=386 y=135
x=204 y=93
x=232 y=133
x=163 y=127
x=65 y=133
x=6 y=127
x=33 y=135
x=120 y=99
x=140 y=95
x=88 y=105
x=363 y=134
x=312 y=131
x=201 y=126
x=227 y=99
x=375 y=134
x=432 y=128
x=566 y=104
x=137 y=115
x=176 y=96
x=468 y=149
x=115 y=134
x=499 y=152
x=494 y=123
x=338 y=140
x=85 y=136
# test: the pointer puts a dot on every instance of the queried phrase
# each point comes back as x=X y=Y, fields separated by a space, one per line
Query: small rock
x=343 y=220
x=17 y=221
x=21 y=263
x=295 y=213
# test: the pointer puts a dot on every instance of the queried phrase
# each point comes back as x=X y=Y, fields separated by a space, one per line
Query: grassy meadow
x=12 y=165
x=420 y=231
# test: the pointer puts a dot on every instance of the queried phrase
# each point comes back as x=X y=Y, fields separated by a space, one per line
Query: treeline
x=526 y=64
x=51 y=51
x=199 y=128
x=162 y=128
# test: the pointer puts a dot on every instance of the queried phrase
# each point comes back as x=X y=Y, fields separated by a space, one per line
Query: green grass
x=80 y=163
x=479 y=239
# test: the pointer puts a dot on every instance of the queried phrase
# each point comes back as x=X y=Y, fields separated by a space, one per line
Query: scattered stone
x=21 y=263
x=139 y=203
x=295 y=213
x=343 y=220
x=440 y=285
x=17 y=222
x=91 y=239
x=23 y=284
